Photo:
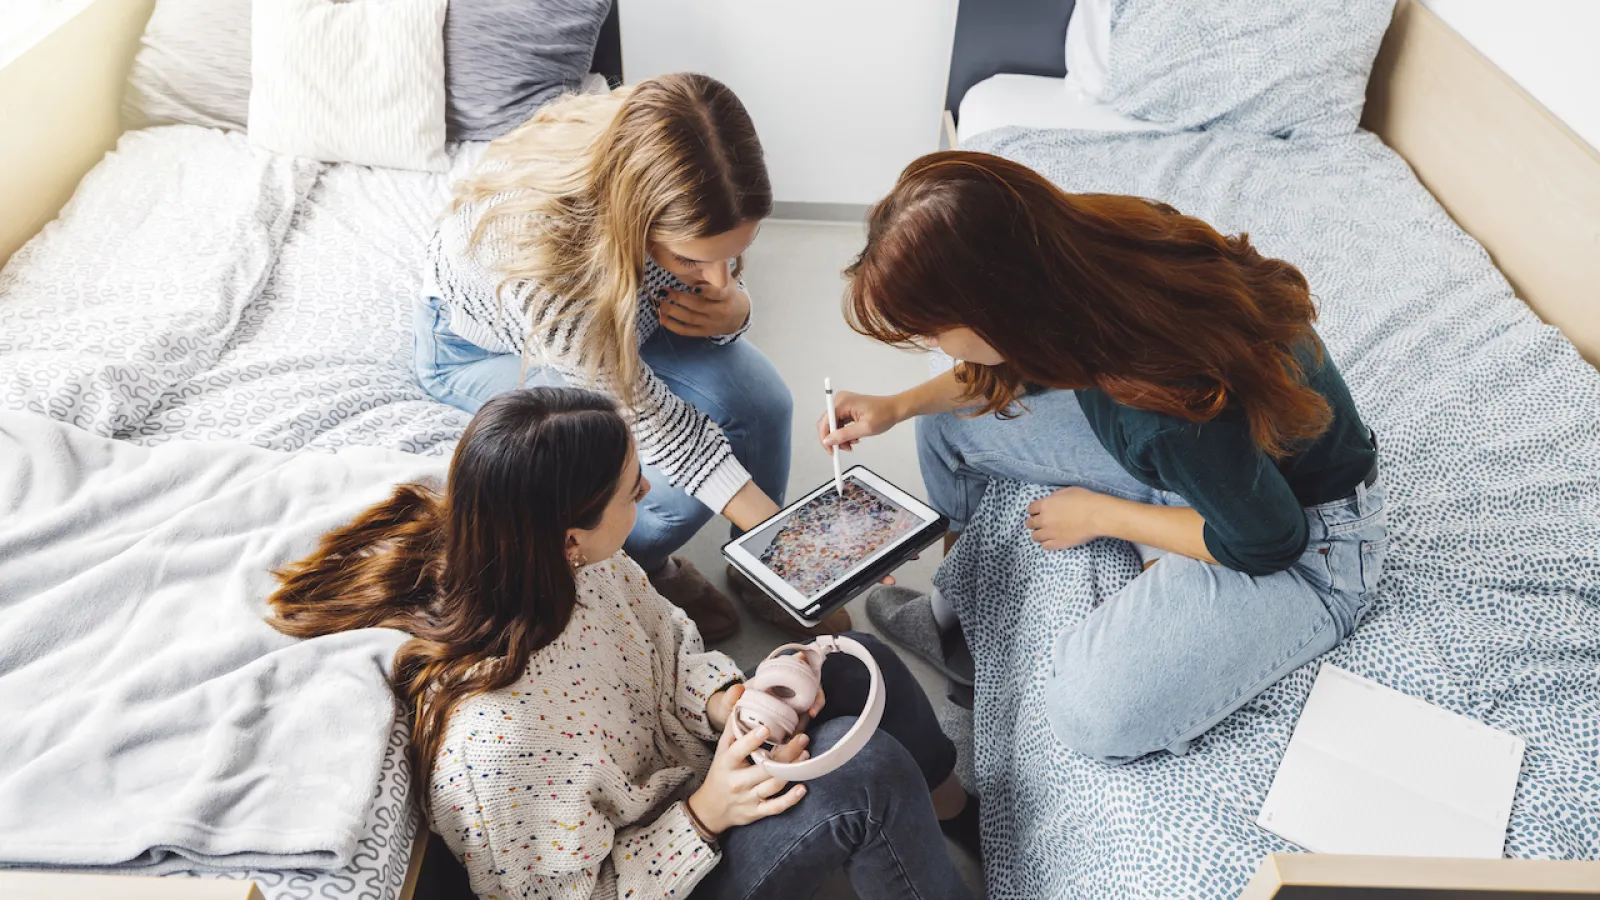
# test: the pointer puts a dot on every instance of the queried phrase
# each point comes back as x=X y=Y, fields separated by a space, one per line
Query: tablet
x=825 y=548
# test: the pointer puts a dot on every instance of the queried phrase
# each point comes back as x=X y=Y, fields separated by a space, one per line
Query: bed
x=195 y=288
x=1487 y=416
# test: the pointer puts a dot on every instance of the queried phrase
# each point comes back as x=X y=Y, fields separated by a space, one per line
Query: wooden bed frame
x=1512 y=176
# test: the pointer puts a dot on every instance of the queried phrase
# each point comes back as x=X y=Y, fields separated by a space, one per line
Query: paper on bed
x=153 y=721
x=1371 y=771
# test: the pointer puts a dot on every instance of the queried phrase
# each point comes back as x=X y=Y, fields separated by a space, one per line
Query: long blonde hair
x=592 y=181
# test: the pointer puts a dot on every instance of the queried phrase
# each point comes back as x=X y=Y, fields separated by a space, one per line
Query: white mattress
x=197 y=288
x=1035 y=101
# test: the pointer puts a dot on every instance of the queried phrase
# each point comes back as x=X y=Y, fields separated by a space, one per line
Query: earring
x=578 y=561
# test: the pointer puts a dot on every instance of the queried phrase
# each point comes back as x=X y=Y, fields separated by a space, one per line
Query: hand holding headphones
x=784 y=687
x=762 y=746
x=736 y=790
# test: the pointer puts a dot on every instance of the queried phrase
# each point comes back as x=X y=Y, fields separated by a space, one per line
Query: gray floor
x=793 y=275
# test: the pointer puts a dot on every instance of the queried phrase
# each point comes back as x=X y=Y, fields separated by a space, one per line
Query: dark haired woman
x=1167 y=378
x=565 y=716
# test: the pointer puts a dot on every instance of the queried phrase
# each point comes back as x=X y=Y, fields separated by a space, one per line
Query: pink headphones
x=784 y=687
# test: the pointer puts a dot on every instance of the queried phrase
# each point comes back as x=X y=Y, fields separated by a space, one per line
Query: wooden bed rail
x=1510 y=174
x=60 y=110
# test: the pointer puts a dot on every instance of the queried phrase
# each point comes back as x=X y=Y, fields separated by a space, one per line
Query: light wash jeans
x=733 y=383
x=1185 y=643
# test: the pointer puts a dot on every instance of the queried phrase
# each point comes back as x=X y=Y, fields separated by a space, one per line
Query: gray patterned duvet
x=1489 y=425
x=197 y=288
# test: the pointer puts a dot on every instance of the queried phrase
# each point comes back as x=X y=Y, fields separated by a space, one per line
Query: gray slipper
x=906 y=617
x=956 y=722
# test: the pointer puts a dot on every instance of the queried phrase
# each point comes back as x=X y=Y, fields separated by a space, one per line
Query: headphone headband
x=866 y=723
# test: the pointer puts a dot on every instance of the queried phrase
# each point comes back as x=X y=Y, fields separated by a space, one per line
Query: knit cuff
x=668 y=854
x=722 y=340
x=724 y=481
x=704 y=674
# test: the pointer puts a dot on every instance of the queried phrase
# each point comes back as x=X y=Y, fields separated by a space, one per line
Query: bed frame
x=1512 y=176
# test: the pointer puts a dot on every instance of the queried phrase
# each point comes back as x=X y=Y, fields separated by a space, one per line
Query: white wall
x=1549 y=47
x=844 y=93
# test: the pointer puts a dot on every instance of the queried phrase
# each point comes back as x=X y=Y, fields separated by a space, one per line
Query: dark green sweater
x=1253 y=506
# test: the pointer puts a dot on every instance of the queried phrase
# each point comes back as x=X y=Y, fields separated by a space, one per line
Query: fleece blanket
x=154 y=721
x=1489 y=425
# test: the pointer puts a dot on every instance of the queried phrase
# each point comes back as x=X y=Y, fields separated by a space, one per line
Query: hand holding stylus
x=858 y=416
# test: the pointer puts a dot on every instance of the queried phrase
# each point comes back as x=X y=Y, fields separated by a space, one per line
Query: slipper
x=906 y=617
x=956 y=723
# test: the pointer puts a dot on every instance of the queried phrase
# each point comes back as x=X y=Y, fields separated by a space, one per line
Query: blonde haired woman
x=599 y=246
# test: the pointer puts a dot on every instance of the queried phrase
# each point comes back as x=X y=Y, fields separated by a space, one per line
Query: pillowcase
x=1089 y=46
x=1282 y=67
x=359 y=81
x=193 y=66
x=506 y=58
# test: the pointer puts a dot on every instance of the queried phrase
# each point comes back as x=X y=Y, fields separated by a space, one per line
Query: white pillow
x=1089 y=47
x=359 y=81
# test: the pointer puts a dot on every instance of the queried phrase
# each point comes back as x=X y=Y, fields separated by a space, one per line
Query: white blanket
x=153 y=721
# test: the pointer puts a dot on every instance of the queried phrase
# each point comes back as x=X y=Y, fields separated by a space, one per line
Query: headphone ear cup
x=788 y=679
x=756 y=709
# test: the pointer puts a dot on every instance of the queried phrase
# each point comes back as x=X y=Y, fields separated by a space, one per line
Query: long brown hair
x=478 y=576
x=583 y=189
x=1074 y=291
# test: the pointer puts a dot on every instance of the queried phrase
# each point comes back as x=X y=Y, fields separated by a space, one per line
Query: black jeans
x=872 y=816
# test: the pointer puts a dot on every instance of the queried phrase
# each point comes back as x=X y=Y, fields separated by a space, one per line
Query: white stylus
x=833 y=425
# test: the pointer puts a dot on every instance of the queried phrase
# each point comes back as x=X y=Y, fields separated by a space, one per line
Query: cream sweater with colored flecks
x=565 y=784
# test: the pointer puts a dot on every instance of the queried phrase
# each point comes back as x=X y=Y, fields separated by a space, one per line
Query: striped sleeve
x=671 y=434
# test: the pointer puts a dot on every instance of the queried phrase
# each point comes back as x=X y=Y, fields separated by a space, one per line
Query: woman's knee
x=668 y=519
x=1101 y=708
x=881 y=770
x=890 y=664
x=750 y=396
x=846 y=681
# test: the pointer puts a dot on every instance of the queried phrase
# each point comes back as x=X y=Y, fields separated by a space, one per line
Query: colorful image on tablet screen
x=826 y=538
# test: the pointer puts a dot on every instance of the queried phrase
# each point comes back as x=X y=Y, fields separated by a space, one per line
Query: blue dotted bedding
x=1489 y=425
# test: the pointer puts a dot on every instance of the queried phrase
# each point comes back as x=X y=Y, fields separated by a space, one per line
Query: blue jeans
x=734 y=384
x=1185 y=643
x=873 y=816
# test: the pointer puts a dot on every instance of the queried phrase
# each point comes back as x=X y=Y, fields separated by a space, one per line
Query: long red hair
x=1074 y=291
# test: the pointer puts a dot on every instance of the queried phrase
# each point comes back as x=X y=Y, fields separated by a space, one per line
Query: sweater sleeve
x=571 y=851
x=701 y=673
x=1254 y=523
x=671 y=434
x=697 y=672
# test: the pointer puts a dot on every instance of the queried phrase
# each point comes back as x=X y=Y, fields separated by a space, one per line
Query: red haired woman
x=1168 y=380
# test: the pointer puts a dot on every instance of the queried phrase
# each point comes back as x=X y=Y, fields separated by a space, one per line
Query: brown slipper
x=767 y=610
x=710 y=609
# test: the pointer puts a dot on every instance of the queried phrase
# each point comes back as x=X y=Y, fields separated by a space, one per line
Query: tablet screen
x=821 y=541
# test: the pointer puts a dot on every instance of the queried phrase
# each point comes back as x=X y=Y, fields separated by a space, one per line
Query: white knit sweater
x=672 y=435
x=564 y=785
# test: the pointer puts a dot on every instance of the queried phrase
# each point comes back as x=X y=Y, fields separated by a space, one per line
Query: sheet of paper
x=1372 y=771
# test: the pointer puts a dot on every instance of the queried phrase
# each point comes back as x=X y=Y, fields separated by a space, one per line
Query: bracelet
x=699 y=826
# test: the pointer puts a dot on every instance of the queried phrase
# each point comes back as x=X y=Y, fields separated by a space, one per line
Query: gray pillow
x=193 y=66
x=1279 y=67
x=503 y=59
